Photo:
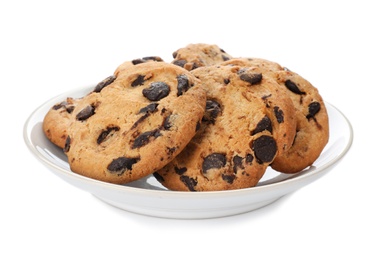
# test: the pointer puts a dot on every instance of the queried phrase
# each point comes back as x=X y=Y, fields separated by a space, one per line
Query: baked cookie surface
x=245 y=126
x=136 y=125
x=56 y=121
x=312 y=132
x=199 y=55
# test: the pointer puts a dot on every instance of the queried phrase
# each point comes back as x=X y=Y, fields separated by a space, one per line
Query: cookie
x=57 y=119
x=136 y=125
x=312 y=132
x=199 y=55
x=248 y=121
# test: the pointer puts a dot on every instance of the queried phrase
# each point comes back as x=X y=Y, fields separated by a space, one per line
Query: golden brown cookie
x=198 y=55
x=136 y=125
x=56 y=121
x=312 y=131
x=248 y=121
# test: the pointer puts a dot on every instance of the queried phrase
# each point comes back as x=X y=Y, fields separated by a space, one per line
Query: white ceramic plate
x=147 y=196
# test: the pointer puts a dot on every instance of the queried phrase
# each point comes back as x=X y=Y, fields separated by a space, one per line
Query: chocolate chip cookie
x=312 y=132
x=136 y=125
x=199 y=55
x=247 y=123
x=56 y=121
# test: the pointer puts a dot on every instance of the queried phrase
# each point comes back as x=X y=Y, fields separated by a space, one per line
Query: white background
x=342 y=47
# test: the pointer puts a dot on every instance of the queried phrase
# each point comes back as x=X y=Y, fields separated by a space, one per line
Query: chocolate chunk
x=264 y=124
x=314 y=108
x=213 y=109
x=181 y=170
x=158 y=177
x=146 y=59
x=189 y=182
x=237 y=163
x=279 y=114
x=264 y=148
x=252 y=78
x=180 y=63
x=69 y=109
x=167 y=124
x=67 y=144
x=121 y=164
x=86 y=113
x=229 y=178
x=146 y=112
x=156 y=91
x=139 y=81
x=213 y=161
x=106 y=134
x=145 y=138
x=104 y=83
x=174 y=54
x=152 y=107
x=182 y=84
x=60 y=105
x=293 y=87
x=225 y=58
x=249 y=158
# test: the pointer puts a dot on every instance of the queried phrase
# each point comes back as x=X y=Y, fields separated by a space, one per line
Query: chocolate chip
x=314 y=108
x=106 y=134
x=189 y=182
x=86 y=113
x=229 y=178
x=252 y=78
x=181 y=170
x=225 y=58
x=237 y=163
x=146 y=112
x=152 y=107
x=158 y=177
x=293 y=87
x=146 y=59
x=248 y=158
x=139 y=81
x=213 y=109
x=104 y=83
x=226 y=81
x=60 y=105
x=67 y=144
x=213 y=161
x=69 y=109
x=180 y=63
x=279 y=114
x=264 y=124
x=156 y=91
x=182 y=84
x=145 y=138
x=174 y=54
x=264 y=148
x=167 y=124
x=121 y=164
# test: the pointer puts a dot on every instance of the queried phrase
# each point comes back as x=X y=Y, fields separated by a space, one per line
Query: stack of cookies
x=206 y=121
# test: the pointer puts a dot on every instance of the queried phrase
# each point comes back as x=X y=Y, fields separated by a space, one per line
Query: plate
x=146 y=196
